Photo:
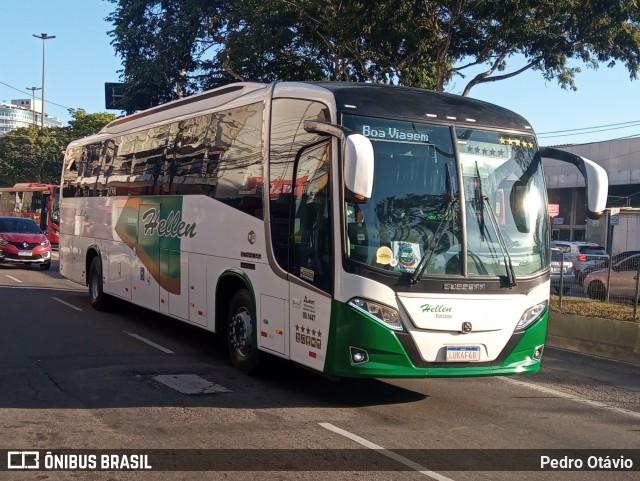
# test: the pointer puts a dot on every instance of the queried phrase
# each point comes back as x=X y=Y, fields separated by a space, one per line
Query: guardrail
x=615 y=280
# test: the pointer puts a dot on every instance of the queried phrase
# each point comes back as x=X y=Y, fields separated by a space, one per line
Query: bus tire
x=99 y=300
x=242 y=337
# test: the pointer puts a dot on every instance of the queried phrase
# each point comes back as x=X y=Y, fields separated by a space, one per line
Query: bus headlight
x=532 y=314
x=384 y=314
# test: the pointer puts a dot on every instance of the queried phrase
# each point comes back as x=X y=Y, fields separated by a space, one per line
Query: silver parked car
x=562 y=272
x=622 y=283
x=582 y=255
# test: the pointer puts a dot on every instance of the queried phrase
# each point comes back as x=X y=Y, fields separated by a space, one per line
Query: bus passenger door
x=146 y=260
x=311 y=258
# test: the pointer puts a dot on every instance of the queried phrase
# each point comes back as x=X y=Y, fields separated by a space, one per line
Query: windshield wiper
x=485 y=204
x=443 y=225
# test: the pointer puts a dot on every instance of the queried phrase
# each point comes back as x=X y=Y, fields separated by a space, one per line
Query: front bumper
x=40 y=258
x=393 y=354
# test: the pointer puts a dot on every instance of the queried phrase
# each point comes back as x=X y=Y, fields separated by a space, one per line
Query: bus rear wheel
x=242 y=333
x=99 y=300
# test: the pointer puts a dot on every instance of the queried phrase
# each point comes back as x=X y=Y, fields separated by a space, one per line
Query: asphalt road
x=72 y=378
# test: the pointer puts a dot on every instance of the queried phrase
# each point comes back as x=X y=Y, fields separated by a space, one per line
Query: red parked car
x=22 y=242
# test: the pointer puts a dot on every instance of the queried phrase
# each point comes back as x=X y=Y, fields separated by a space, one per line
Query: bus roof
x=375 y=100
x=422 y=105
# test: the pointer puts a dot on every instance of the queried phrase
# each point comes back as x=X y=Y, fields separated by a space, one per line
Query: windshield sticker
x=307 y=274
x=384 y=255
x=408 y=255
x=518 y=142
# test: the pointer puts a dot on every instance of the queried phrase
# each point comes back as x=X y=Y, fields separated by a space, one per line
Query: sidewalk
x=608 y=338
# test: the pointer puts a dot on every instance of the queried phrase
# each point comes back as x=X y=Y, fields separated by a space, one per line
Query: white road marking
x=190 y=384
x=151 y=343
x=390 y=454
x=573 y=397
x=13 y=278
x=66 y=304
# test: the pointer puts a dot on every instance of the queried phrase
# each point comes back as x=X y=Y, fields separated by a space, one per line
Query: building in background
x=24 y=113
x=566 y=192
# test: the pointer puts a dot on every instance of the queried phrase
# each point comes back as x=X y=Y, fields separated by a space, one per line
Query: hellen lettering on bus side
x=172 y=226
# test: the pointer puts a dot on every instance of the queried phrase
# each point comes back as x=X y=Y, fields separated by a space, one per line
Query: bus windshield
x=420 y=223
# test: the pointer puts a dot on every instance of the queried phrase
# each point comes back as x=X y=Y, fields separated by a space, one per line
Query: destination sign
x=394 y=133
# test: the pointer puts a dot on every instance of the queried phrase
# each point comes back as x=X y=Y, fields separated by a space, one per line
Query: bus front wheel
x=99 y=300
x=241 y=333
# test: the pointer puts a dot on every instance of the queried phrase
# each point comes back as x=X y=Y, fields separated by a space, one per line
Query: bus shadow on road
x=57 y=353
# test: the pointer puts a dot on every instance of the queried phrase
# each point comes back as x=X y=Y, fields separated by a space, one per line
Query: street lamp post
x=33 y=103
x=44 y=37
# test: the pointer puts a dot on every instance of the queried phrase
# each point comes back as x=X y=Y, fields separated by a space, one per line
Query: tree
x=83 y=124
x=31 y=155
x=172 y=48
x=35 y=155
x=548 y=34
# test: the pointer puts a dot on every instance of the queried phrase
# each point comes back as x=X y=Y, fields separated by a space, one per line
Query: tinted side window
x=311 y=235
x=218 y=155
x=90 y=179
x=288 y=137
x=235 y=138
x=630 y=264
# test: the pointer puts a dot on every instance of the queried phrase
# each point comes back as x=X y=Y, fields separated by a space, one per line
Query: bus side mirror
x=595 y=177
x=358 y=168
x=357 y=154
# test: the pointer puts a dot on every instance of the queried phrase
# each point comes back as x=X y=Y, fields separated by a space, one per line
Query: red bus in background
x=40 y=202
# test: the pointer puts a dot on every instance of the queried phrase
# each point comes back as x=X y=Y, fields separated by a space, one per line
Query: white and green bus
x=358 y=230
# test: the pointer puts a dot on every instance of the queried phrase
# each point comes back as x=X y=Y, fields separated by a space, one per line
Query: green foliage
x=83 y=124
x=35 y=155
x=172 y=48
x=31 y=155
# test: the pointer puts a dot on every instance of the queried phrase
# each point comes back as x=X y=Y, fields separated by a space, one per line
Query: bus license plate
x=25 y=253
x=463 y=353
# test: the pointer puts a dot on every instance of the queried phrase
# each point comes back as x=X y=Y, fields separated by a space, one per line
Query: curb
x=618 y=340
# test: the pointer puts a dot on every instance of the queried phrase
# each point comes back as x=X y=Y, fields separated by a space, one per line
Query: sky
x=81 y=59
